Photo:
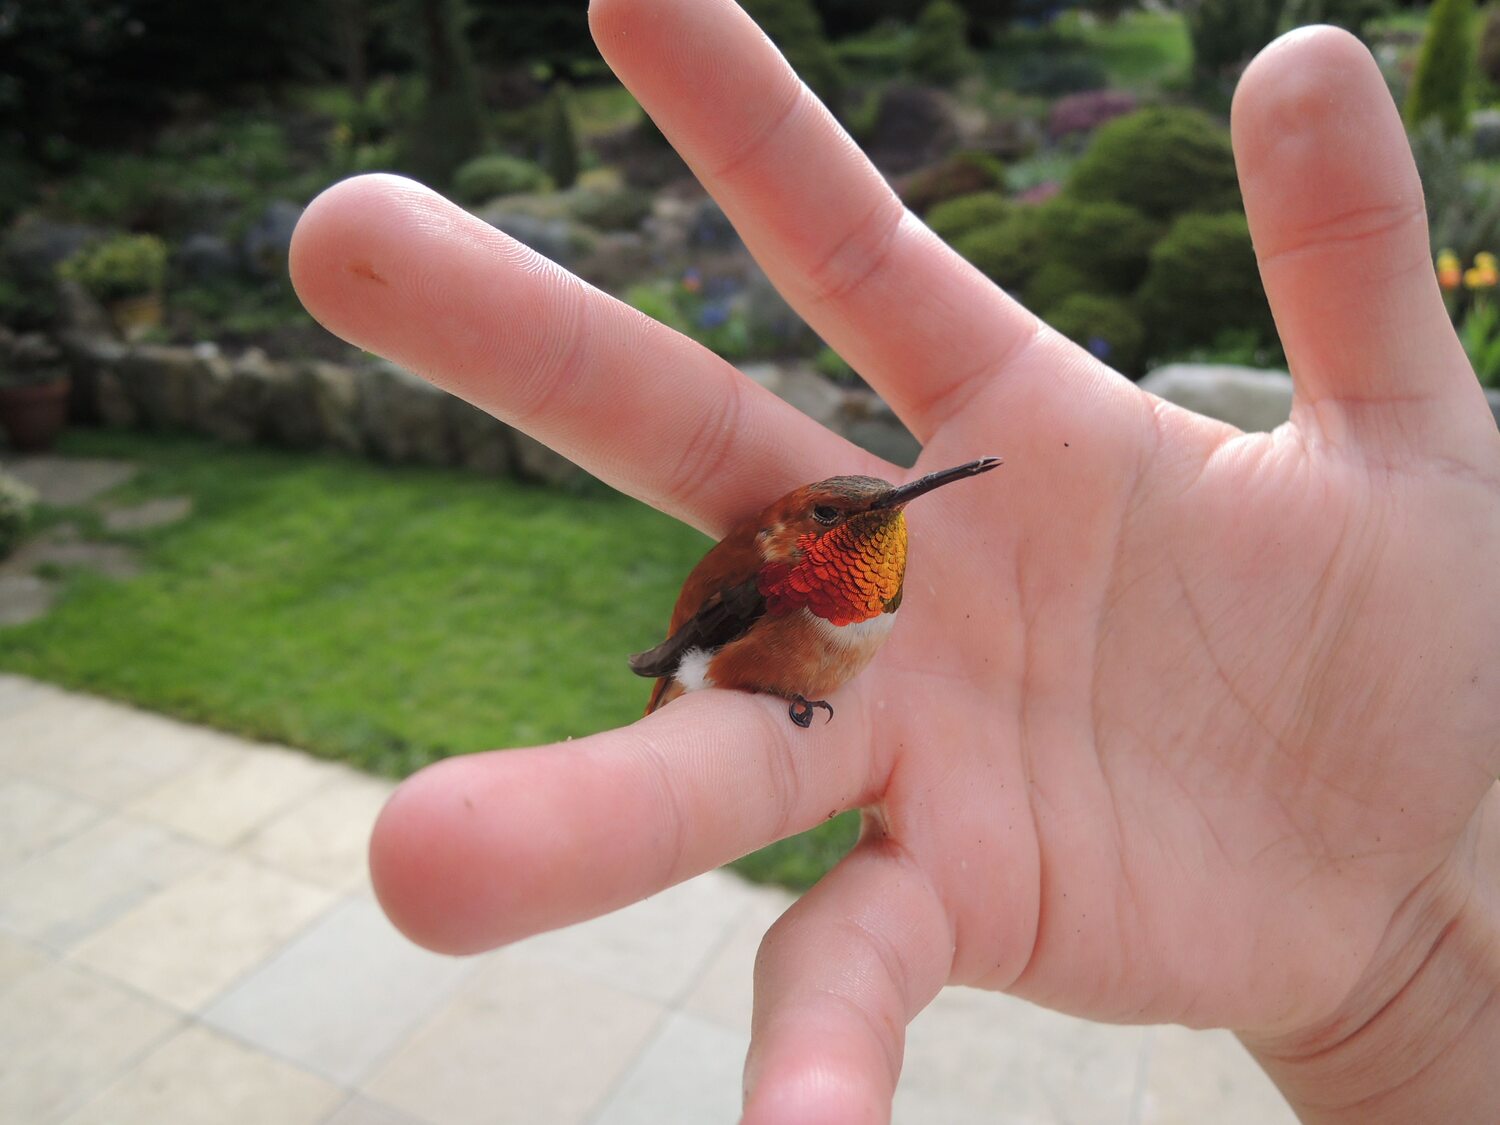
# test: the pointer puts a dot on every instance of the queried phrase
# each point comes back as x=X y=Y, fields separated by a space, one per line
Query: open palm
x=1176 y=723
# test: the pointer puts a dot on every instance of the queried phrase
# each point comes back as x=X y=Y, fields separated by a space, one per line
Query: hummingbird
x=795 y=600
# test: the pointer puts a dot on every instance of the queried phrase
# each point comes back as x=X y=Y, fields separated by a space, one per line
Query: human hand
x=1176 y=723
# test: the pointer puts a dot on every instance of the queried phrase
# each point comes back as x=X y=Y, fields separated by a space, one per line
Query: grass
x=386 y=617
x=1141 y=51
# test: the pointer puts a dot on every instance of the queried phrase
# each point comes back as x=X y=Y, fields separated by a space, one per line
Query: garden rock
x=709 y=229
x=91 y=356
x=333 y=395
x=207 y=257
x=770 y=319
x=482 y=443
x=77 y=311
x=269 y=239
x=537 y=463
x=1254 y=400
x=914 y=125
x=64 y=482
x=35 y=245
x=232 y=396
x=24 y=597
x=802 y=387
x=869 y=423
x=161 y=381
x=616 y=261
x=403 y=417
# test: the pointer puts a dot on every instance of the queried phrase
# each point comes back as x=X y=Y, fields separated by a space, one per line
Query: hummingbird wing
x=724 y=617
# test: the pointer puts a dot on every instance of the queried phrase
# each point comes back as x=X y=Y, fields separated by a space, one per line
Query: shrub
x=1203 y=282
x=1163 y=162
x=1051 y=76
x=1106 y=326
x=1006 y=252
x=1107 y=241
x=16 y=504
x=1444 y=83
x=957 y=217
x=940 y=49
x=1351 y=15
x=126 y=265
x=1226 y=33
x=485 y=177
x=561 y=140
x=1053 y=283
x=794 y=26
x=448 y=128
x=1489 y=46
x=961 y=174
x=624 y=209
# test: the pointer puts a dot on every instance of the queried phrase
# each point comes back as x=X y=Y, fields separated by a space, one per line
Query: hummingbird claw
x=801 y=710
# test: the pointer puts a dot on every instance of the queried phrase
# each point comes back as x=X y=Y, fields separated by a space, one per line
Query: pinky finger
x=836 y=981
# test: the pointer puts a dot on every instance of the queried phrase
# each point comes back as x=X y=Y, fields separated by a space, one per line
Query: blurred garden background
x=299 y=542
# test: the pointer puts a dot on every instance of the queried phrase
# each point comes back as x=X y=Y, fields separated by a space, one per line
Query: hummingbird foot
x=801 y=710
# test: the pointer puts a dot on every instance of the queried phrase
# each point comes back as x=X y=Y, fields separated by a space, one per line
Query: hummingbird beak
x=904 y=494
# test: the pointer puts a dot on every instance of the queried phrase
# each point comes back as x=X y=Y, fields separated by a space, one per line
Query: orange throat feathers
x=850 y=573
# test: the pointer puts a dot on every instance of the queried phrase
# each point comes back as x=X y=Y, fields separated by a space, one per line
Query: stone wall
x=376 y=409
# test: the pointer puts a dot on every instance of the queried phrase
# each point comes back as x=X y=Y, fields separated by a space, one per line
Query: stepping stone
x=24 y=597
x=66 y=481
x=153 y=513
x=62 y=548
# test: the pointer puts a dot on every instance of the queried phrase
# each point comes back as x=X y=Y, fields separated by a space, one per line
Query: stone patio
x=187 y=935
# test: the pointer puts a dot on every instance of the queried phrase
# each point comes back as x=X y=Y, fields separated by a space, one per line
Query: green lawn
x=386 y=617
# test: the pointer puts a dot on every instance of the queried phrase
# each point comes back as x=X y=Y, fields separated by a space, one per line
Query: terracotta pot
x=33 y=416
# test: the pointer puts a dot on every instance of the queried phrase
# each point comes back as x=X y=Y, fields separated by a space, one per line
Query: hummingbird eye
x=825 y=513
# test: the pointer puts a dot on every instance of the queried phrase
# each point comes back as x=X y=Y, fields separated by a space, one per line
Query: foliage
x=1352 y=15
x=447 y=129
x=1106 y=326
x=75 y=73
x=962 y=173
x=1226 y=33
x=1006 y=252
x=485 y=177
x=527 y=33
x=561 y=140
x=955 y=218
x=621 y=209
x=25 y=305
x=1053 y=283
x=1085 y=112
x=124 y=265
x=1463 y=206
x=17 y=502
x=1106 y=240
x=1052 y=75
x=1203 y=281
x=939 y=49
x=1163 y=162
x=795 y=27
x=1443 y=87
x=716 y=320
x=834 y=367
x=1480 y=333
x=1489 y=46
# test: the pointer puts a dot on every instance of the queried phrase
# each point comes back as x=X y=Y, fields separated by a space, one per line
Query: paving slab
x=199 y=1076
x=690 y=1074
x=187 y=943
x=655 y=948
x=80 y=885
x=524 y=1043
x=324 y=838
x=25 y=597
x=341 y=995
x=67 y=1034
x=34 y=816
x=152 y=513
x=1196 y=1076
x=65 y=482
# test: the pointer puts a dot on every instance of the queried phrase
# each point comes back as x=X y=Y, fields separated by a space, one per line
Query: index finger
x=396 y=269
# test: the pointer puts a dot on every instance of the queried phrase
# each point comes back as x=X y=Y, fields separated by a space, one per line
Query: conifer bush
x=1106 y=326
x=1443 y=87
x=561 y=139
x=1203 y=283
x=955 y=218
x=1053 y=283
x=939 y=49
x=1227 y=33
x=1106 y=240
x=485 y=177
x=795 y=27
x=1007 y=252
x=1163 y=162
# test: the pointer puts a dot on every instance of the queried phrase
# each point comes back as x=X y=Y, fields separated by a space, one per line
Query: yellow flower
x=1486 y=261
x=1449 y=270
x=1480 y=278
